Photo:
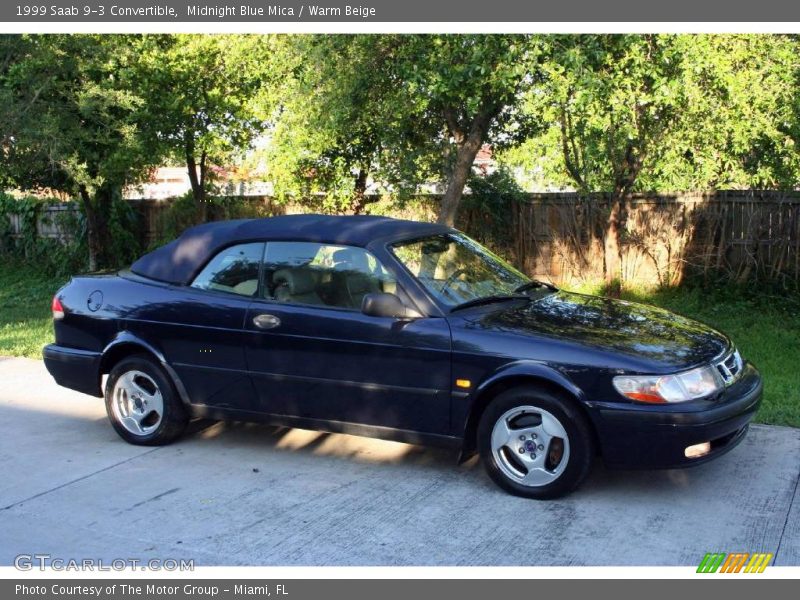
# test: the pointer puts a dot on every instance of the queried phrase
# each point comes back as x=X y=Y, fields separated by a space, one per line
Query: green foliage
x=207 y=99
x=26 y=210
x=323 y=130
x=320 y=115
x=125 y=234
x=498 y=187
x=452 y=79
x=67 y=254
x=75 y=123
x=341 y=113
x=607 y=100
x=242 y=207
x=734 y=129
x=70 y=106
x=488 y=209
x=71 y=255
x=51 y=255
x=665 y=112
x=628 y=113
x=414 y=208
x=397 y=107
x=179 y=213
x=199 y=89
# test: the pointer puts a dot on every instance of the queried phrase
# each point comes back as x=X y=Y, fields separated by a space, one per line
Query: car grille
x=730 y=367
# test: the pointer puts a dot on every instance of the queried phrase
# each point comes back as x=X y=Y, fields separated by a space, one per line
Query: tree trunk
x=625 y=173
x=96 y=228
x=612 y=248
x=468 y=143
x=196 y=180
x=202 y=203
x=465 y=157
x=360 y=191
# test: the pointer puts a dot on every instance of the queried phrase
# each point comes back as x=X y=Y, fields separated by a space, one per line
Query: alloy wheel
x=530 y=446
x=137 y=403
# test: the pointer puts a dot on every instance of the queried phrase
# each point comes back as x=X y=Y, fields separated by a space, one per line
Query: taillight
x=58 y=310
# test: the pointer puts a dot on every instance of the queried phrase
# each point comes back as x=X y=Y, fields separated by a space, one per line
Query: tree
x=615 y=98
x=335 y=118
x=737 y=129
x=629 y=113
x=202 y=96
x=71 y=122
x=468 y=88
x=406 y=108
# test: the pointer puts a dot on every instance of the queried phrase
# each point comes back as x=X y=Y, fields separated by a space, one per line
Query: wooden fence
x=48 y=223
x=739 y=235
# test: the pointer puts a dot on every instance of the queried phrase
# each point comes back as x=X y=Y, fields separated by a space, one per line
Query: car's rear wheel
x=142 y=404
x=535 y=443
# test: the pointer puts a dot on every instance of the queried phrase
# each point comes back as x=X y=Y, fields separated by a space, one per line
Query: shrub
x=487 y=211
x=68 y=253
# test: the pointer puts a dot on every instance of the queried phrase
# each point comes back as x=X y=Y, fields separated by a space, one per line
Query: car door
x=200 y=328
x=313 y=354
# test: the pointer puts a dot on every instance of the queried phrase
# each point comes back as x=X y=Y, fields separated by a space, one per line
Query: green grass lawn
x=25 y=322
x=765 y=327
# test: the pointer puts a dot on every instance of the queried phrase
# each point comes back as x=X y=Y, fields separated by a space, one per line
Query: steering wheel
x=451 y=280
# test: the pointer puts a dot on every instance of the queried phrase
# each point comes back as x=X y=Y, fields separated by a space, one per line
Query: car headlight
x=661 y=389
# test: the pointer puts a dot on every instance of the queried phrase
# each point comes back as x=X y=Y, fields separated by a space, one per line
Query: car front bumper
x=656 y=436
x=75 y=369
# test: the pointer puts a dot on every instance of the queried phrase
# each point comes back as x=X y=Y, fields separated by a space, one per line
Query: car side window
x=233 y=270
x=322 y=274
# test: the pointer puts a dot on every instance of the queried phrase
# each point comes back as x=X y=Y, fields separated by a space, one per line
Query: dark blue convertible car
x=400 y=330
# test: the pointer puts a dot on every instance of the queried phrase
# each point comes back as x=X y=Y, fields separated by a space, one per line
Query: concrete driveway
x=236 y=494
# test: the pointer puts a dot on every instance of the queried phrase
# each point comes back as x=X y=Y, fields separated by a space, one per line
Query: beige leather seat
x=355 y=279
x=246 y=288
x=296 y=285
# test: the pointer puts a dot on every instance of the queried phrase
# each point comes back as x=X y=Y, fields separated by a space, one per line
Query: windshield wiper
x=534 y=284
x=516 y=295
x=490 y=300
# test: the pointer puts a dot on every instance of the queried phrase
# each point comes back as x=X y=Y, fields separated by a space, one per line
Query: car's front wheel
x=535 y=443
x=142 y=404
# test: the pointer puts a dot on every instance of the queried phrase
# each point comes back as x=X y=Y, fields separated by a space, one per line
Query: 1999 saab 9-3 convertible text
x=400 y=330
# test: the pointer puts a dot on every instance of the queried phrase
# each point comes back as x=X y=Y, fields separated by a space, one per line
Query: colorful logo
x=736 y=562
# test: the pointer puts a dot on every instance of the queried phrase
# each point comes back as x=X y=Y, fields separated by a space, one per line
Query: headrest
x=297 y=281
x=350 y=259
x=247 y=287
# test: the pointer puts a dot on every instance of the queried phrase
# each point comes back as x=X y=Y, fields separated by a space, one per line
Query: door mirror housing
x=387 y=305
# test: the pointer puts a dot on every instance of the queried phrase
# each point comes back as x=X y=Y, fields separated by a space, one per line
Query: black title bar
x=388 y=11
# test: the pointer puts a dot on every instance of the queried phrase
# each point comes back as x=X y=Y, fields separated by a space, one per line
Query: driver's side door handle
x=265 y=321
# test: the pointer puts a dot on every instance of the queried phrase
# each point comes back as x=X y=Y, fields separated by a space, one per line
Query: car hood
x=646 y=333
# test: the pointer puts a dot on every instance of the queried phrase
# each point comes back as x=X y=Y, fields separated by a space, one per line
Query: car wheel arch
x=127 y=344
x=516 y=377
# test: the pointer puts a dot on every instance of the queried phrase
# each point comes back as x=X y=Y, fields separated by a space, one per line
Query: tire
x=142 y=404
x=548 y=468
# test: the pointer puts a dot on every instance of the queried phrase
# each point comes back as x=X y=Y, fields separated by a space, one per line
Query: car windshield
x=457 y=270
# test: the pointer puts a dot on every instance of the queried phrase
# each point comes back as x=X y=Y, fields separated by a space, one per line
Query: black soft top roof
x=178 y=261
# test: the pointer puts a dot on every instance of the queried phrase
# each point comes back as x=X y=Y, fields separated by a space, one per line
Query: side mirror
x=387 y=305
